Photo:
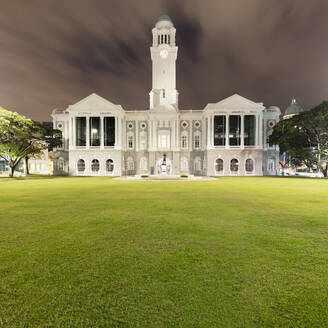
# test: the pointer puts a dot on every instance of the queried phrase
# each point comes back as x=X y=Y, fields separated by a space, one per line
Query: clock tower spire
x=164 y=56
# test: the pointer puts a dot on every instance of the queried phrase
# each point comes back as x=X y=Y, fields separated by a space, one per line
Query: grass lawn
x=96 y=252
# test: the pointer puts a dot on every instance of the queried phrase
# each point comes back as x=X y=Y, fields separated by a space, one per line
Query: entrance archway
x=164 y=166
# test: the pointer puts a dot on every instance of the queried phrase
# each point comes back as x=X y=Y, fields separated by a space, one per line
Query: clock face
x=164 y=53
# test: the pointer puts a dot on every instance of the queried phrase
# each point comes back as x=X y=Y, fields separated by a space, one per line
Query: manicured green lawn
x=95 y=252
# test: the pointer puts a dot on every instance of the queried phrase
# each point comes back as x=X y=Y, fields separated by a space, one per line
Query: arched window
x=80 y=165
x=95 y=166
x=165 y=38
x=234 y=165
x=109 y=166
x=249 y=165
x=219 y=165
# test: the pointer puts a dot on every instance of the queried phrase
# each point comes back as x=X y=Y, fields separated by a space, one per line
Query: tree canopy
x=304 y=138
x=21 y=137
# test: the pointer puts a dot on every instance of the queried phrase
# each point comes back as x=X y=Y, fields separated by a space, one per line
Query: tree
x=51 y=138
x=304 y=138
x=21 y=137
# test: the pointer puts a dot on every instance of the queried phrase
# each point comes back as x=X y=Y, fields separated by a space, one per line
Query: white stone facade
x=225 y=138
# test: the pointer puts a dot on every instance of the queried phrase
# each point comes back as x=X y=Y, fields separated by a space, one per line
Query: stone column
x=116 y=134
x=178 y=134
x=70 y=132
x=119 y=132
x=172 y=134
x=87 y=131
x=261 y=141
x=102 y=132
x=154 y=135
x=212 y=131
x=203 y=136
x=257 y=131
x=208 y=132
x=74 y=131
x=227 y=132
x=190 y=136
x=149 y=135
x=242 y=132
x=137 y=135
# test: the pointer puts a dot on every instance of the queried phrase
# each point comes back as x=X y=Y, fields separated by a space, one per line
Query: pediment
x=234 y=102
x=94 y=102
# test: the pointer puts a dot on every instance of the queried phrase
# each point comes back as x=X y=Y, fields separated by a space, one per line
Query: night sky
x=54 y=52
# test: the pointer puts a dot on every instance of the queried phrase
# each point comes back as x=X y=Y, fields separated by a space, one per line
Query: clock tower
x=164 y=56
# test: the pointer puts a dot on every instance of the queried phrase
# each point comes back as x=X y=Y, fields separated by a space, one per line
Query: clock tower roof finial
x=164 y=17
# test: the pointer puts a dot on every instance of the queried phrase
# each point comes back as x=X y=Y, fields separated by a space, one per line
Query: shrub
x=144 y=175
x=184 y=176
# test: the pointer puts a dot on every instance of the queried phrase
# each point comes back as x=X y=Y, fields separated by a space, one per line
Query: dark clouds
x=53 y=53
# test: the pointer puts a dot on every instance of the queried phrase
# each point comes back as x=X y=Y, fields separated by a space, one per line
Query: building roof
x=294 y=108
x=164 y=18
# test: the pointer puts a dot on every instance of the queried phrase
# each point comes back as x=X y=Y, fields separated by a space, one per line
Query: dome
x=164 y=18
x=294 y=108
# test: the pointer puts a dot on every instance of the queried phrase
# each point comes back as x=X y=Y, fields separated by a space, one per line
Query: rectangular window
x=184 y=142
x=81 y=135
x=94 y=131
x=163 y=141
x=130 y=142
x=4 y=167
x=197 y=142
x=109 y=131
x=219 y=130
x=234 y=130
x=143 y=141
x=249 y=134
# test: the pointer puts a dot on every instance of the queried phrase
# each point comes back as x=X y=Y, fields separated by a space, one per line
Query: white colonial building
x=225 y=138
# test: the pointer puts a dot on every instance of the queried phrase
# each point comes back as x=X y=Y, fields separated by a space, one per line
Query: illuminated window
x=219 y=130
x=81 y=128
x=94 y=131
x=249 y=133
x=234 y=130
